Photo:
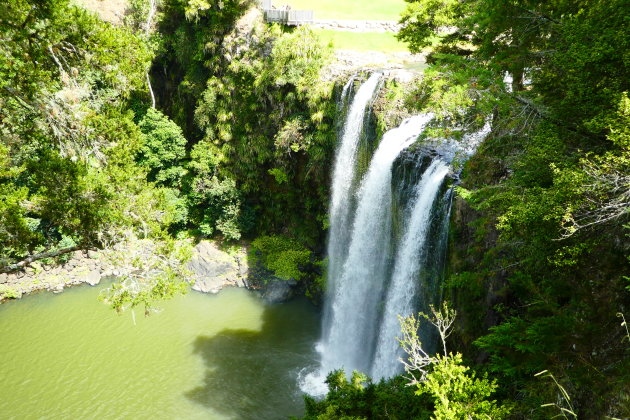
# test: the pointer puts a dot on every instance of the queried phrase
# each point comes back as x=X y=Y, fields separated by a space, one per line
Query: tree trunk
x=26 y=261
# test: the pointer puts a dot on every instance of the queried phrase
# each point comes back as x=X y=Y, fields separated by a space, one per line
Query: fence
x=285 y=16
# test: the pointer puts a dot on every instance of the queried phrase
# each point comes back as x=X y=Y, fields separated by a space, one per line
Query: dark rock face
x=278 y=291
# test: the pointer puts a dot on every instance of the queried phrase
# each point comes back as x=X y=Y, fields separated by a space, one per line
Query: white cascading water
x=340 y=206
x=356 y=290
x=344 y=172
x=412 y=253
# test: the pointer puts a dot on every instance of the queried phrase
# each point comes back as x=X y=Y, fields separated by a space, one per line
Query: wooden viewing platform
x=285 y=16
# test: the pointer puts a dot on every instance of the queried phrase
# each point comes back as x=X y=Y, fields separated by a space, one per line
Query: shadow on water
x=254 y=375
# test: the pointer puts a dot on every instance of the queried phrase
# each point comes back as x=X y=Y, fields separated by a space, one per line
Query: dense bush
x=163 y=149
x=286 y=258
x=360 y=398
x=67 y=166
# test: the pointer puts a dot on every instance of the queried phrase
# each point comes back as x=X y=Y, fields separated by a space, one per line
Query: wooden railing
x=285 y=16
x=299 y=17
x=276 y=15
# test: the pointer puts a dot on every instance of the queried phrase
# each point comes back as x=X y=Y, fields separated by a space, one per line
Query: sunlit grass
x=362 y=41
x=349 y=9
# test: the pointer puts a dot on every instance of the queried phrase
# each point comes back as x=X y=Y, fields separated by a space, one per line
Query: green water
x=225 y=356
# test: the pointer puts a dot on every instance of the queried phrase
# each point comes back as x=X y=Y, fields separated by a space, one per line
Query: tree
x=67 y=172
x=458 y=393
x=163 y=149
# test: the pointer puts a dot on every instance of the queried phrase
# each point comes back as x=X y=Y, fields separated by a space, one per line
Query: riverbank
x=210 y=269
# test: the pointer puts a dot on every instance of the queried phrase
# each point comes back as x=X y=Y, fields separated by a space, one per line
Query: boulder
x=213 y=269
x=279 y=291
x=92 y=254
x=92 y=278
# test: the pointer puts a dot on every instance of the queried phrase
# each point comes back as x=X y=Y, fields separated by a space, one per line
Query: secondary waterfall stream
x=412 y=253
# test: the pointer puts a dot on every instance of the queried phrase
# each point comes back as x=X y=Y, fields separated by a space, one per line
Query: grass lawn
x=361 y=41
x=349 y=9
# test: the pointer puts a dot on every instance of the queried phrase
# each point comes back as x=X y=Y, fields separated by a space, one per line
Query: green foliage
x=459 y=394
x=163 y=148
x=191 y=51
x=217 y=201
x=9 y=292
x=122 y=296
x=158 y=274
x=316 y=288
x=283 y=256
x=220 y=206
x=565 y=398
x=360 y=398
x=423 y=21
x=541 y=233
x=446 y=389
x=68 y=141
x=227 y=73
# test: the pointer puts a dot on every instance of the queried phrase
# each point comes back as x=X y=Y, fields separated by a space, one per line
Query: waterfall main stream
x=355 y=296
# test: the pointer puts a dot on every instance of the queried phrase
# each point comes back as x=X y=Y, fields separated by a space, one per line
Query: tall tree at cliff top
x=259 y=119
x=551 y=180
x=68 y=142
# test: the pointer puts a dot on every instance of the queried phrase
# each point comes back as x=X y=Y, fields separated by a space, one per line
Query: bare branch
x=418 y=359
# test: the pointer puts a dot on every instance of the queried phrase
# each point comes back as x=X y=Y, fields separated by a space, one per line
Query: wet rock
x=243 y=266
x=278 y=290
x=92 y=277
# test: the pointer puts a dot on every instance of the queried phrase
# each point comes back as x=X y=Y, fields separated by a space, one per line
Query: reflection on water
x=228 y=356
x=253 y=375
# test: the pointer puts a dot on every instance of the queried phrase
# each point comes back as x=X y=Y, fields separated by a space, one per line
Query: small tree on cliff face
x=458 y=393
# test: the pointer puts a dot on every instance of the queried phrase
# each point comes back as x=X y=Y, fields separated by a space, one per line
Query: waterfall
x=387 y=240
x=412 y=253
x=343 y=176
x=355 y=290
